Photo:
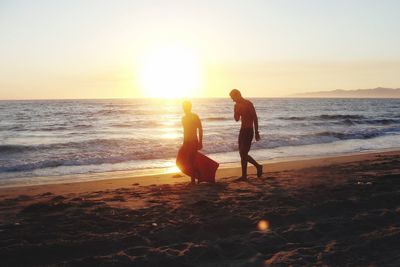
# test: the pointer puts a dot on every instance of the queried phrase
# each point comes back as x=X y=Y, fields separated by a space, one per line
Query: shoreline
x=34 y=180
x=118 y=179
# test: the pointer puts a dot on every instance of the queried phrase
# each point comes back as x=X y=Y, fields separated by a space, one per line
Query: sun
x=170 y=71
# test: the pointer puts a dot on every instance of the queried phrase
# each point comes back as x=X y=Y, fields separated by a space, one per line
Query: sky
x=123 y=49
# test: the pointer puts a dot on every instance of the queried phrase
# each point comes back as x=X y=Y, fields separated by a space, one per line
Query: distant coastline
x=379 y=92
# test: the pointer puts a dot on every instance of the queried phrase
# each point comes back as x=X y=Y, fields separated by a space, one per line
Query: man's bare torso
x=247 y=113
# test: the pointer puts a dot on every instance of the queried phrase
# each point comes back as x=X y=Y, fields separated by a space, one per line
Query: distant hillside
x=378 y=92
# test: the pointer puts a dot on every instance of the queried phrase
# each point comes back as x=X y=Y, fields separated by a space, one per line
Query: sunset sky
x=106 y=49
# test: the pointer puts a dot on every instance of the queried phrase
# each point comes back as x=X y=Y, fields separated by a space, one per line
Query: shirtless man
x=191 y=141
x=245 y=111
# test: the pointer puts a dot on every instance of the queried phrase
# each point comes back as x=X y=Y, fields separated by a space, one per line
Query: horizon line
x=181 y=98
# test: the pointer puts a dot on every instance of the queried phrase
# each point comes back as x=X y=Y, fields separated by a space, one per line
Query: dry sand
x=334 y=211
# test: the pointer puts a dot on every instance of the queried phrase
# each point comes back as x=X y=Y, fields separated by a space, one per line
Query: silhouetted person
x=245 y=111
x=192 y=137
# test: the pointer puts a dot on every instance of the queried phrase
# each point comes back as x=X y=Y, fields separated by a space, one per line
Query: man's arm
x=236 y=113
x=257 y=134
x=200 y=135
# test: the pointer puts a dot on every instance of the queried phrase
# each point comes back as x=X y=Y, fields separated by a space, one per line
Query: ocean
x=59 y=138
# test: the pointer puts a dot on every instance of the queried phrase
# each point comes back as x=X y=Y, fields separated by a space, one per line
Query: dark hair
x=235 y=92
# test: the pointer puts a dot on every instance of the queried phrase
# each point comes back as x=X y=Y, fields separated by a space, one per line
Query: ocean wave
x=346 y=136
x=322 y=137
x=382 y=121
x=377 y=122
x=17 y=128
x=107 y=112
x=340 y=117
x=323 y=117
x=123 y=125
x=216 y=119
x=294 y=118
x=343 y=120
x=13 y=148
x=80 y=160
x=32 y=166
x=93 y=112
x=103 y=150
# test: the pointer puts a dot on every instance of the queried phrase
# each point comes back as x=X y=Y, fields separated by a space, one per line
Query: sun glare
x=170 y=72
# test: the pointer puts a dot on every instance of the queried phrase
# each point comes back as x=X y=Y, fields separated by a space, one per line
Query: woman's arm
x=200 y=135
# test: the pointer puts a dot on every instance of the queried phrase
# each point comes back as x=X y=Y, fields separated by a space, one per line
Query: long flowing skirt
x=197 y=165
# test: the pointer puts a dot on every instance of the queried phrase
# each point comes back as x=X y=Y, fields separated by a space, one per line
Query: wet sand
x=334 y=211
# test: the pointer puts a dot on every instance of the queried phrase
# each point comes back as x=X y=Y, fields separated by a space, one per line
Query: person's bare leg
x=243 y=161
x=252 y=161
x=258 y=166
x=244 y=154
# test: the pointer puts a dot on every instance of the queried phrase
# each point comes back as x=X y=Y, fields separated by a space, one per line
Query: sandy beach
x=336 y=211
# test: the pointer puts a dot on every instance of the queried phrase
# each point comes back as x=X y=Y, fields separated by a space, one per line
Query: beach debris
x=263 y=225
x=154 y=224
x=364 y=183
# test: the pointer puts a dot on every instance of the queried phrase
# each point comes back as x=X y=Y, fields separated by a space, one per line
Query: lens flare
x=263 y=225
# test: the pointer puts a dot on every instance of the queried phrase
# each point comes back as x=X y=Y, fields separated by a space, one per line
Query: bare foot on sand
x=241 y=179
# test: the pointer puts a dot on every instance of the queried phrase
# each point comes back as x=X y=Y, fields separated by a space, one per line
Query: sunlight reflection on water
x=170 y=136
